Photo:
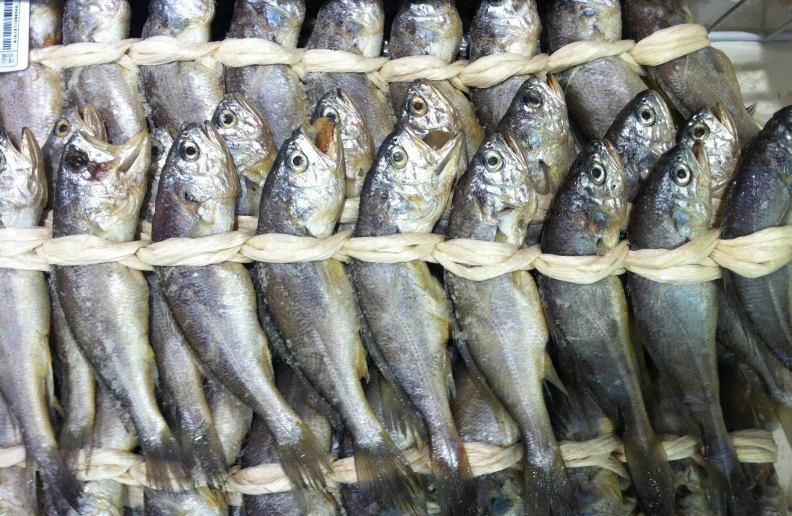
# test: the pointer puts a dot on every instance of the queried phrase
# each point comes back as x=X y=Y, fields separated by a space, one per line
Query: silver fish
x=161 y=142
x=13 y=488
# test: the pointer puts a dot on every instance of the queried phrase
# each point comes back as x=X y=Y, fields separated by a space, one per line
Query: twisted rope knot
x=688 y=263
x=18 y=245
x=757 y=254
x=159 y=50
x=91 y=250
x=490 y=70
x=408 y=69
x=196 y=252
x=278 y=248
x=337 y=61
x=256 y=51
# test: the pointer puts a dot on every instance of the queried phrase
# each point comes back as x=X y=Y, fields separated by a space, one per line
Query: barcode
x=8 y=24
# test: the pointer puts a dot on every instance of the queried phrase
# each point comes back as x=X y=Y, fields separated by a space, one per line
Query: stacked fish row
x=177 y=362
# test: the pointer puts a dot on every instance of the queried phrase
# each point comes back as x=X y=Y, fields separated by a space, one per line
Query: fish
x=760 y=197
x=99 y=192
x=275 y=90
x=185 y=91
x=433 y=28
x=304 y=196
x=494 y=202
x=197 y=196
x=232 y=418
x=199 y=502
x=673 y=209
x=13 y=488
x=502 y=26
x=403 y=306
x=700 y=79
x=33 y=97
x=111 y=88
x=538 y=120
x=356 y=137
x=355 y=26
x=588 y=322
x=716 y=130
x=249 y=140
x=161 y=143
x=642 y=132
x=260 y=448
x=25 y=361
x=597 y=91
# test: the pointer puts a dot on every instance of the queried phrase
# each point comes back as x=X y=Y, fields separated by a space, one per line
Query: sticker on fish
x=14 y=32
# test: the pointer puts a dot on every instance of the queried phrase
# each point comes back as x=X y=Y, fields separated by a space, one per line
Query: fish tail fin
x=729 y=492
x=650 y=471
x=384 y=474
x=304 y=461
x=456 y=491
x=165 y=462
x=208 y=457
x=548 y=490
x=63 y=486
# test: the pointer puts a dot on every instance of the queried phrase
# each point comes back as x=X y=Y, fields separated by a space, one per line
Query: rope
x=662 y=46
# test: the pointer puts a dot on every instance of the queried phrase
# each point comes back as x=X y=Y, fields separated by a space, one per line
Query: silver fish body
x=13 y=489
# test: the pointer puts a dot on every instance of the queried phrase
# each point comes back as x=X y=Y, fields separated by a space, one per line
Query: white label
x=14 y=34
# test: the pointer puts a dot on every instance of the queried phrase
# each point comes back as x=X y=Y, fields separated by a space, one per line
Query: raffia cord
x=755 y=446
x=662 y=46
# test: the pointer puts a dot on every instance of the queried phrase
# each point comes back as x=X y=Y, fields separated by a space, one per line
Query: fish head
x=353 y=25
x=282 y=18
x=101 y=186
x=198 y=188
x=23 y=186
x=776 y=136
x=716 y=131
x=508 y=25
x=430 y=27
x=585 y=20
x=413 y=177
x=85 y=119
x=249 y=140
x=356 y=137
x=503 y=187
x=308 y=178
x=46 y=23
x=427 y=109
x=186 y=20
x=538 y=113
x=161 y=142
x=98 y=21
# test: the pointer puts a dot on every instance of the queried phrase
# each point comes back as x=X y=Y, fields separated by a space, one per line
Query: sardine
x=34 y=97
x=596 y=91
x=185 y=91
x=249 y=140
x=498 y=27
x=404 y=306
x=494 y=201
x=355 y=26
x=717 y=131
x=537 y=118
x=760 y=197
x=304 y=196
x=433 y=28
x=99 y=192
x=111 y=88
x=588 y=322
x=215 y=305
x=698 y=80
x=275 y=89
x=25 y=362
x=356 y=137
x=678 y=322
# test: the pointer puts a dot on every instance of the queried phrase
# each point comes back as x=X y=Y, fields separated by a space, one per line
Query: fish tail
x=73 y=440
x=548 y=490
x=208 y=457
x=384 y=474
x=63 y=486
x=650 y=472
x=728 y=488
x=304 y=461
x=456 y=491
x=165 y=462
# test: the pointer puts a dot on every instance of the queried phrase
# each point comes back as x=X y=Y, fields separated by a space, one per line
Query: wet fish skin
x=232 y=418
x=404 y=306
x=538 y=120
x=215 y=305
x=717 y=131
x=495 y=201
x=697 y=80
x=641 y=133
x=588 y=322
x=249 y=140
x=674 y=208
x=433 y=28
x=760 y=197
x=99 y=192
x=276 y=89
x=355 y=136
x=498 y=27
x=596 y=91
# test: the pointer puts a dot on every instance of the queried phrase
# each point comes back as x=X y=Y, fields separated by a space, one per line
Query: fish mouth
x=700 y=153
x=725 y=118
x=132 y=150
x=437 y=139
x=210 y=132
x=323 y=135
x=515 y=147
x=554 y=85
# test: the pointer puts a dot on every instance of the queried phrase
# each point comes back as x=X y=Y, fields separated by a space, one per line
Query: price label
x=14 y=35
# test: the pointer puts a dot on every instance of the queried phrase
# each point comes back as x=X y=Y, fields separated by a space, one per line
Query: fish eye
x=227 y=119
x=493 y=161
x=700 y=131
x=156 y=149
x=398 y=157
x=596 y=173
x=189 y=150
x=76 y=160
x=62 y=128
x=330 y=113
x=417 y=106
x=298 y=162
x=646 y=115
x=533 y=99
x=682 y=175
